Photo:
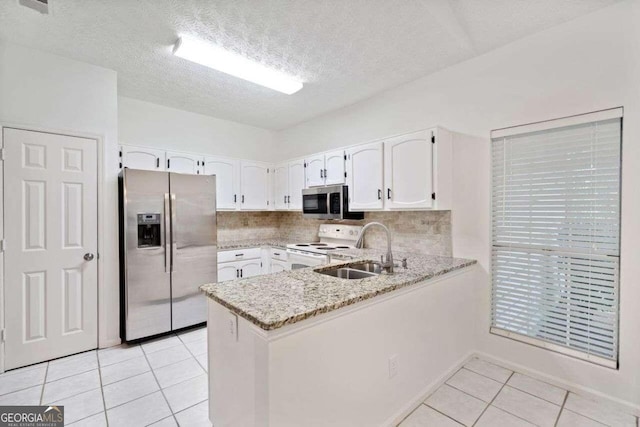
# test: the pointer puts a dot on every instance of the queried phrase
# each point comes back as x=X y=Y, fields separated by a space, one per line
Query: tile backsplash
x=415 y=231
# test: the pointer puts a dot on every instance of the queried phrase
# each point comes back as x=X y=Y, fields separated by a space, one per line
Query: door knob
x=88 y=257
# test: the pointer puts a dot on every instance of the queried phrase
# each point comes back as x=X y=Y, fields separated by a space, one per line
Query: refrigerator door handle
x=174 y=244
x=167 y=236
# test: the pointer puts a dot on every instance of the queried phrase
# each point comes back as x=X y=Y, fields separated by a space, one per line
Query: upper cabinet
x=365 y=177
x=408 y=171
x=227 y=172
x=254 y=185
x=184 y=163
x=281 y=186
x=288 y=182
x=326 y=169
x=142 y=158
x=296 y=184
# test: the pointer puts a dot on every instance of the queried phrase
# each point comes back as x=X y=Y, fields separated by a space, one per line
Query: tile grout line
x=196 y=357
x=494 y=398
x=424 y=402
x=159 y=386
x=564 y=402
x=44 y=382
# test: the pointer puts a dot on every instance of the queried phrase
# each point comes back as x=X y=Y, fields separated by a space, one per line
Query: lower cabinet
x=234 y=264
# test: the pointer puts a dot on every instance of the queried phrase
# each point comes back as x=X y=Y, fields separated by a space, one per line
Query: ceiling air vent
x=41 y=6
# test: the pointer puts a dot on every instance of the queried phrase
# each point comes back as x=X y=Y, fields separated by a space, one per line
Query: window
x=556 y=233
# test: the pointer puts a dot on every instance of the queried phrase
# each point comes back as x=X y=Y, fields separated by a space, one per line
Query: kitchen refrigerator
x=168 y=249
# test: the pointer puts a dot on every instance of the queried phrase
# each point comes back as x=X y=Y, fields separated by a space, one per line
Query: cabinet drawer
x=239 y=254
x=277 y=253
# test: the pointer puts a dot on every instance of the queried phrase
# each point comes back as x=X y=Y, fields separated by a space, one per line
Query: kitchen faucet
x=387 y=264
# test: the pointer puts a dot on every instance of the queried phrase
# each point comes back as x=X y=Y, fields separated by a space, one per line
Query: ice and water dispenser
x=149 y=230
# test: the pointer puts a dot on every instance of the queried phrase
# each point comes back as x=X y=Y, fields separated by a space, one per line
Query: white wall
x=47 y=92
x=588 y=64
x=147 y=124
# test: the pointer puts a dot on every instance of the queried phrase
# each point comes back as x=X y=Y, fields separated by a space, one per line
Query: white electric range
x=333 y=237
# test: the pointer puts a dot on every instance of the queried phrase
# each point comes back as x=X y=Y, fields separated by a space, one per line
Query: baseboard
x=395 y=419
x=576 y=388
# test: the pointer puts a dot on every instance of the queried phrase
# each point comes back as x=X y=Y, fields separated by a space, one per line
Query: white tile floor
x=483 y=394
x=164 y=383
x=161 y=383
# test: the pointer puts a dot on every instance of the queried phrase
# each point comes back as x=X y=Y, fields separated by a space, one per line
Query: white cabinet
x=228 y=271
x=334 y=167
x=288 y=184
x=227 y=172
x=254 y=185
x=325 y=169
x=184 y=163
x=250 y=268
x=296 y=184
x=277 y=266
x=365 y=176
x=281 y=186
x=142 y=158
x=408 y=171
x=315 y=170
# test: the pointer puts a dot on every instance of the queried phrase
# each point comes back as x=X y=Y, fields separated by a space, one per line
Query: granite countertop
x=251 y=243
x=272 y=301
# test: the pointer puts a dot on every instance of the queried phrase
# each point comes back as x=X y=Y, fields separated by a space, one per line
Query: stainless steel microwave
x=330 y=202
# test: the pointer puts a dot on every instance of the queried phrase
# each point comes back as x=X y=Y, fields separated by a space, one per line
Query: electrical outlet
x=393 y=366
x=232 y=323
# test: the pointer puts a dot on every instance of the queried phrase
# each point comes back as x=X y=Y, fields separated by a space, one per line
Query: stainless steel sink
x=360 y=270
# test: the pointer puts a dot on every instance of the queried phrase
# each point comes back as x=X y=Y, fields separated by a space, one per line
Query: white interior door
x=296 y=184
x=315 y=171
x=334 y=167
x=226 y=172
x=254 y=182
x=51 y=267
x=281 y=186
x=144 y=158
x=408 y=171
x=184 y=163
x=364 y=177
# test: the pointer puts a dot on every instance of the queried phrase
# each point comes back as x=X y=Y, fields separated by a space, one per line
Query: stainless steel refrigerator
x=167 y=250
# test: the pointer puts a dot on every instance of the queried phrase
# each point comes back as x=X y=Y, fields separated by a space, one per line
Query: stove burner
x=342 y=247
x=302 y=244
x=328 y=248
x=318 y=244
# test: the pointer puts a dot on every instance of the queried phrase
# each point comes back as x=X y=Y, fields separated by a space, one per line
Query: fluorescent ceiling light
x=231 y=63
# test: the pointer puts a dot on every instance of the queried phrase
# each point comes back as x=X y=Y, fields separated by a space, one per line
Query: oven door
x=301 y=259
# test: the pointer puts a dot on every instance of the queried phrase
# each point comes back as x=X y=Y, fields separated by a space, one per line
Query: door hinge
x=433 y=196
x=305 y=164
x=433 y=139
x=2 y=245
x=3 y=336
x=2 y=153
x=345 y=157
x=345 y=174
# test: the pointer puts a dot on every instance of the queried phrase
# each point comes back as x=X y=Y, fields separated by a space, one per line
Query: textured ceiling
x=344 y=50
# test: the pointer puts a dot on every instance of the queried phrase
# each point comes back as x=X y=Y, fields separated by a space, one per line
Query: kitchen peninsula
x=305 y=348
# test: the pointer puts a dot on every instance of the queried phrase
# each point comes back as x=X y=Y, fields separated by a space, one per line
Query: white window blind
x=556 y=232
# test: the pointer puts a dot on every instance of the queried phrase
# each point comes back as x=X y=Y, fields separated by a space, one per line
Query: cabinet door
x=364 y=177
x=226 y=172
x=281 y=186
x=254 y=183
x=408 y=171
x=296 y=184
x=184 y=163
x=142 y=158
x=315 y=171
x=250 y=268
x=277 y=266
x=334 y=167
x=228 y=271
